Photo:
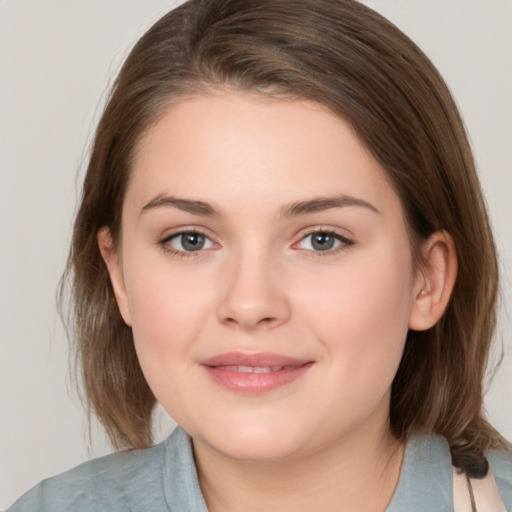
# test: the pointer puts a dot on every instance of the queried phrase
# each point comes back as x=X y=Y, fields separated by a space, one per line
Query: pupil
x=323 y=241
x=193 y=242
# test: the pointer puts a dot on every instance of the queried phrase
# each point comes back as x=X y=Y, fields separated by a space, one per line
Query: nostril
x=248 y=324
x=266 y=320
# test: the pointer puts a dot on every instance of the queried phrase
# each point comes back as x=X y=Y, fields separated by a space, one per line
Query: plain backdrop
x=57 y=59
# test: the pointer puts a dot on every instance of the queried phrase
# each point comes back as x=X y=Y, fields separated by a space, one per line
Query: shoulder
x=123 y=481
x=501 y=465
x=425 y=482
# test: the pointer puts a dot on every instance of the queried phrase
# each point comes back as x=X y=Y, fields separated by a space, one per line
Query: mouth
x=254 y=373
x=254 y=369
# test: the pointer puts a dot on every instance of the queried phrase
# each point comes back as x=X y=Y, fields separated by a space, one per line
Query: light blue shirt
x=164 y=479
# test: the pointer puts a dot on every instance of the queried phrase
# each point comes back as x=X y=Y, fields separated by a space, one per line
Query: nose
x=254 y=294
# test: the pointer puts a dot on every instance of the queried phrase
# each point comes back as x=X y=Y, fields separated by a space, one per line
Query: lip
x=254 y=373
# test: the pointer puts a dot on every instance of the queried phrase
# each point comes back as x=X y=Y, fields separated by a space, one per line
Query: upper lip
x=262 y=359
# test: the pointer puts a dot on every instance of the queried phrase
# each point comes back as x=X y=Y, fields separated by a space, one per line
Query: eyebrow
x=296 y=209
x=324 y=203
x=187 y=205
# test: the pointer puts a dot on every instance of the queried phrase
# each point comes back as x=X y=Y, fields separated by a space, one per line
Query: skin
x=260 y=285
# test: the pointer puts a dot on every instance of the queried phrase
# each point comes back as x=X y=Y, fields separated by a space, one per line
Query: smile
x=254 y=374
x=254 y=369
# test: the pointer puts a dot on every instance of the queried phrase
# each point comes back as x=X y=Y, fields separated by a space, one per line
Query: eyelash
x=164 y=243
x=345 y=242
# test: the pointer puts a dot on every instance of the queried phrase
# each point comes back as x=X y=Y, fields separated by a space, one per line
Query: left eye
x=323 y=241
x=190 y=241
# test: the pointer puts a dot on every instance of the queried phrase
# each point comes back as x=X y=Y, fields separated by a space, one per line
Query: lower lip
x=256 y=383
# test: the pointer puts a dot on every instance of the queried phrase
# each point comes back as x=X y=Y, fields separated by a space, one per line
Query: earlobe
x=435 y=281
x=112 y=261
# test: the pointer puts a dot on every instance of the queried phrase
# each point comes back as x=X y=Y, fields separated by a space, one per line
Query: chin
x=258 y=441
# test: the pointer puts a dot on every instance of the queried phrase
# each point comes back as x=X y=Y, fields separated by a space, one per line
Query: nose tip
x=254 y=297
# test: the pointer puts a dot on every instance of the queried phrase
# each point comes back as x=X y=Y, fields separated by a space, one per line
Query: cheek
x=167 y=314
x=362 y=318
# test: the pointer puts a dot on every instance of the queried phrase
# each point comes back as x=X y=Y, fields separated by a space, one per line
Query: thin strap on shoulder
x=471 y=494
x=476 y=495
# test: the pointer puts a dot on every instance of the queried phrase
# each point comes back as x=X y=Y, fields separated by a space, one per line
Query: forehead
x=245 y=148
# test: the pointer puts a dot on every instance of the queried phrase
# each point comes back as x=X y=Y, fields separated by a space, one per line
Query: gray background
x=56 y=60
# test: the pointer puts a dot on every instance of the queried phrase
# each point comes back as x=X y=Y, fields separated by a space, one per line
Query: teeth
x=264 y=369
x=254 y=369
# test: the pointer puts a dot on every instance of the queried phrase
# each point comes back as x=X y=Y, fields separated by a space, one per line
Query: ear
x=435 y=281
x=112 y=260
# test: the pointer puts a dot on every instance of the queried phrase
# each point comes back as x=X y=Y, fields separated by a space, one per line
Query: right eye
x=187 y=242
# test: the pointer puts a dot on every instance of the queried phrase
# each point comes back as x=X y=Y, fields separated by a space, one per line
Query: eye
x=187 y=241
x=323 y=241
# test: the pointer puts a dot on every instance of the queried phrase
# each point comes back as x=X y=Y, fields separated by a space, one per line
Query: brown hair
x=349 y=58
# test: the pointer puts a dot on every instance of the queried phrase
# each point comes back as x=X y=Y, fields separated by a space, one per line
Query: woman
x=270 y=244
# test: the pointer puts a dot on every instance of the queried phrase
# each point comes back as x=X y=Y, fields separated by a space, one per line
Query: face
x=265 y=268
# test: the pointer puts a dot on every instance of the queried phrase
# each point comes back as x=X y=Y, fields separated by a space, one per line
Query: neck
x=359 y=473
